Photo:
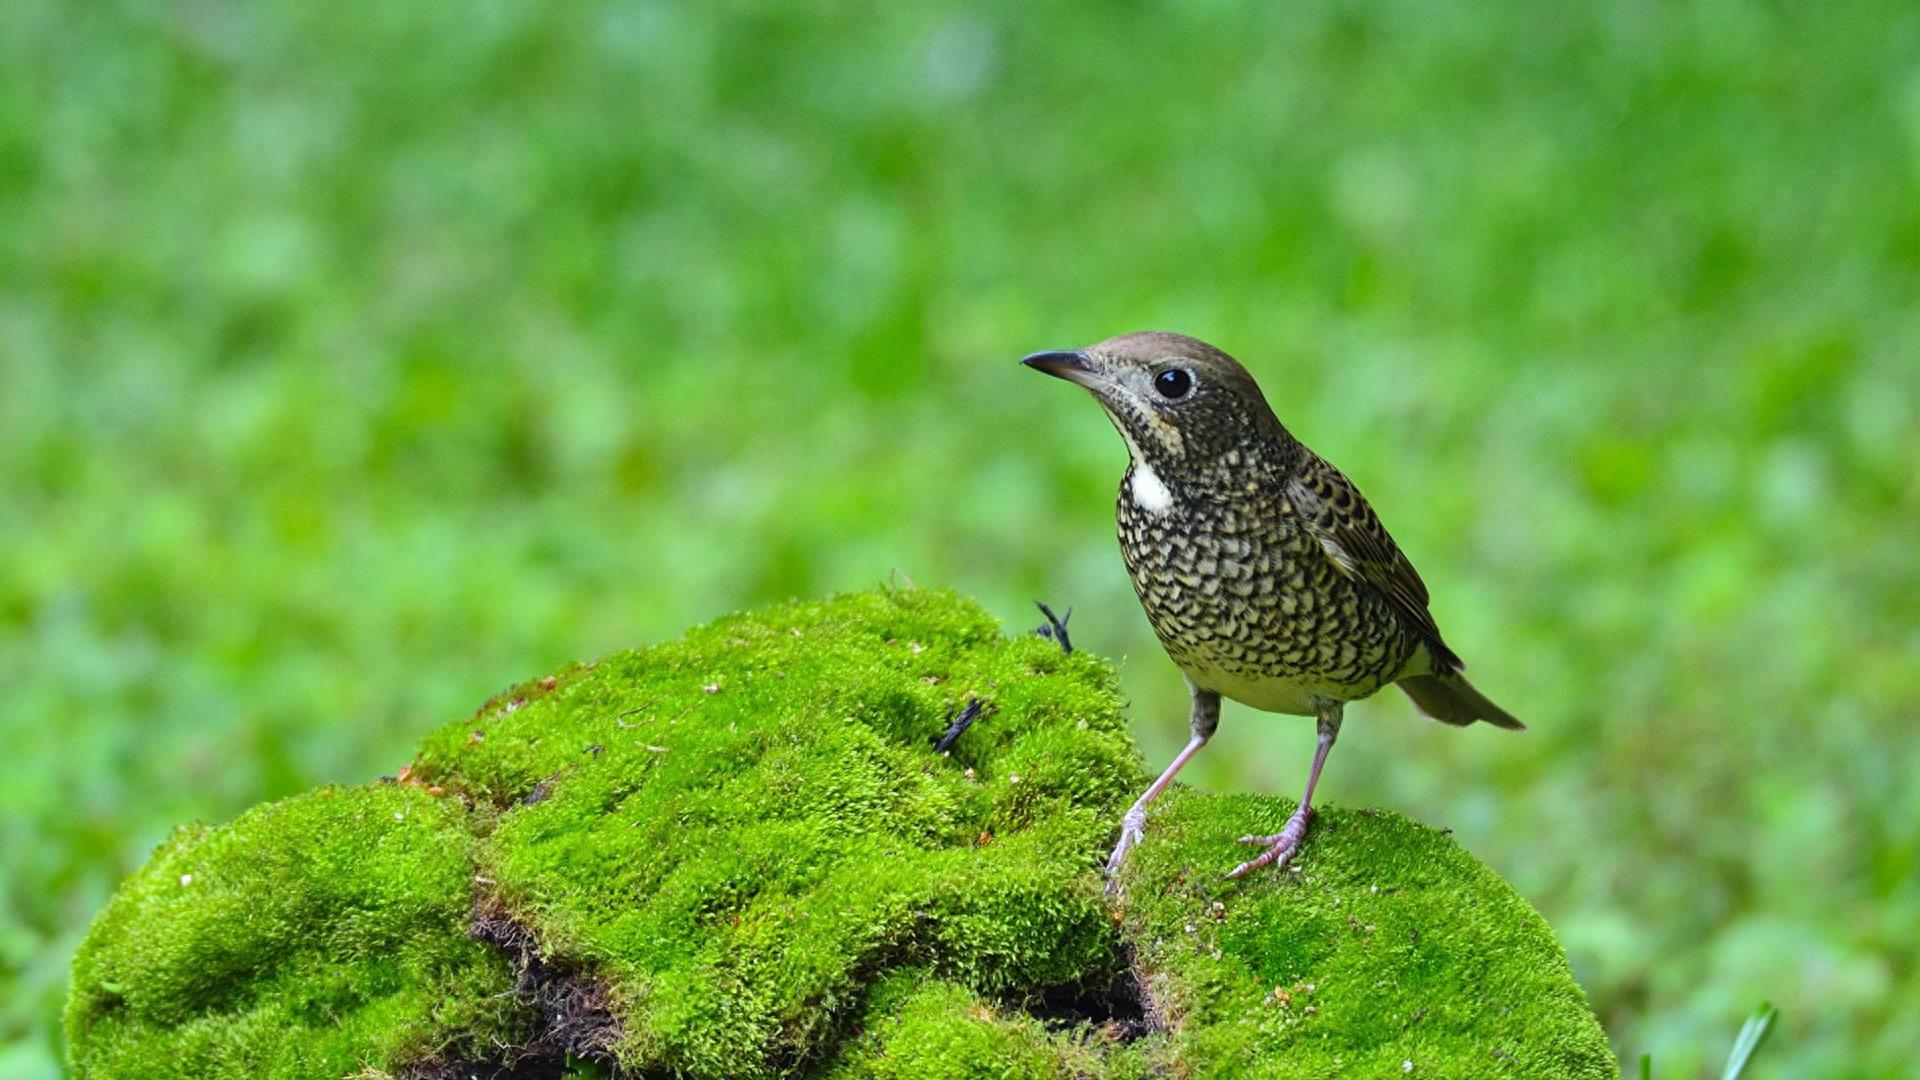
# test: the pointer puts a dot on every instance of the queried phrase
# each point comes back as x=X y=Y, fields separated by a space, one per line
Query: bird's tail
x=1451 y=699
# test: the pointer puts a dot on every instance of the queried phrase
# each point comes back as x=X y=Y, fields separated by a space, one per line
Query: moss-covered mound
x=307 y=938
x=1385 y=949
x=740 y=855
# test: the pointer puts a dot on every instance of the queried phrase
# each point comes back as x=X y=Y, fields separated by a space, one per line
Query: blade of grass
x=1752 y=1034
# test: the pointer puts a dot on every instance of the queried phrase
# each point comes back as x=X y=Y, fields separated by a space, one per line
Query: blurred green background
x=356 y=362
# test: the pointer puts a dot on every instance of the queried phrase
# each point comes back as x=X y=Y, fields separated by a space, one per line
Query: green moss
x=742 y=851
x=742 y=828
x=919 y=1027
x=316 y=936
x=1384 y=944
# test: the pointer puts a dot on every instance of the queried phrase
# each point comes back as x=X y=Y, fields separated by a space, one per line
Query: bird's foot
x=1133 y=829
x=1281 y=846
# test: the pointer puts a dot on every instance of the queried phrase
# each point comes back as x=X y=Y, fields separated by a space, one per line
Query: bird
x=1264 y=572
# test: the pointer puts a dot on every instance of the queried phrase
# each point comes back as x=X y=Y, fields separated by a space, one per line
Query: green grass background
x=356 y=361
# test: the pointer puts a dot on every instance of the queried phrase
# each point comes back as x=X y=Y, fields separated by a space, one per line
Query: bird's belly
x=1297 y=696
x=1270 y=625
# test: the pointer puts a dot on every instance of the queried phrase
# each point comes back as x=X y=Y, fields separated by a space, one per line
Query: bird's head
x=1182 y=405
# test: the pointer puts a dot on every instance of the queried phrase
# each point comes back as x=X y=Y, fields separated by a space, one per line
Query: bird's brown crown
x=1184 y=406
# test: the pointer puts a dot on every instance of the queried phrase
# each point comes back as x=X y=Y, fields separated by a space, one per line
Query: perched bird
x=1263 y=570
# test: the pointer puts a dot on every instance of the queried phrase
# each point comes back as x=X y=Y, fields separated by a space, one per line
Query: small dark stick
x=1056 y=628
x=958 y=727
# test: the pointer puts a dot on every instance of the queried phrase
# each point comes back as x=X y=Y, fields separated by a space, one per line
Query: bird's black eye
x=1173 y=383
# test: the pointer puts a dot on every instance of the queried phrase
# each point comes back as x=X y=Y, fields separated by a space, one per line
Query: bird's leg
x=1205 y=718
x=1282 y=845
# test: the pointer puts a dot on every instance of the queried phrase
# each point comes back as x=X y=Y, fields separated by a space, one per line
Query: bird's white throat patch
x=1149 y=491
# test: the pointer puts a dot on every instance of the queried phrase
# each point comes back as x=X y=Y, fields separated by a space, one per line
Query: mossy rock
x=739 y=855
x=1384 y=949
x=309 y=937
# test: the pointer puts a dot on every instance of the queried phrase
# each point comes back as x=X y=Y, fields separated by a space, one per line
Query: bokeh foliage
x=356 y=362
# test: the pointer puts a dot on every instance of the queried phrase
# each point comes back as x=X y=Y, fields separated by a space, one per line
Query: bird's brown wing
x=1350 y=533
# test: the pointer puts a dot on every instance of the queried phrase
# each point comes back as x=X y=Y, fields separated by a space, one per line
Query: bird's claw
x=1133 y=829
x=1281 y=846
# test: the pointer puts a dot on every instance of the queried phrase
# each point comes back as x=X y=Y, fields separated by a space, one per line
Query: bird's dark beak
x=1068 y=364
